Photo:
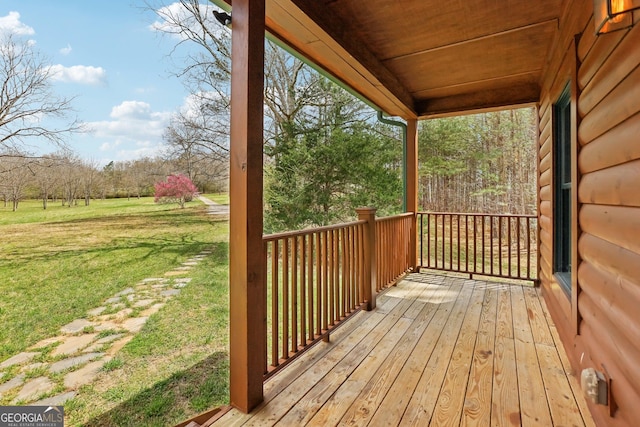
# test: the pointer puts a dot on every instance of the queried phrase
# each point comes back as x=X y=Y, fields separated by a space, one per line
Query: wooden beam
x=247 y=281
x=527 y=94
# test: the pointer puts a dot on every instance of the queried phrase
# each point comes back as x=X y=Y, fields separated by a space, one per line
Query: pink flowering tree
x=176 y=189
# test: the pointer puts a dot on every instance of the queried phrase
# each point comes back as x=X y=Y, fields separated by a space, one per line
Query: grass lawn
x=57 y=264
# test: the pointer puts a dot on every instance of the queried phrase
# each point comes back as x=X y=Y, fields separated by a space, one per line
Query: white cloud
x=66 y=50
x=81 y=74
x=131 y=110
x=169 y=15
x=135 y=130
x=11 y=24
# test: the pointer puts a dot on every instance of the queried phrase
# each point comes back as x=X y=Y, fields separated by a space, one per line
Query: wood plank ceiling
x=425 y=58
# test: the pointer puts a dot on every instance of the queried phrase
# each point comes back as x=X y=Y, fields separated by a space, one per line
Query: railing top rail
x=391 y=218
x=295 y=233
x=479 y=214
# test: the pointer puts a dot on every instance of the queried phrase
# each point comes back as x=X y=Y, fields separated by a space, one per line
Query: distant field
x=57 y=264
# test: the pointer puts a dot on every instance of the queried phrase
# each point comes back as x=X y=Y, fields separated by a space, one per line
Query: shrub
x=176 y=189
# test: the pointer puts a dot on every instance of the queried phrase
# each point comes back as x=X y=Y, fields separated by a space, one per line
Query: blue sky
x=107 y=55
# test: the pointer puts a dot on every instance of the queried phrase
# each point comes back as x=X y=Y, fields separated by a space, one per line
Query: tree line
x=69 y=180
x=324 y=152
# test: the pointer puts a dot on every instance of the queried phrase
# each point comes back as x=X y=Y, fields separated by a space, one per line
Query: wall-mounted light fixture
x=223 y=17
x=612 y=15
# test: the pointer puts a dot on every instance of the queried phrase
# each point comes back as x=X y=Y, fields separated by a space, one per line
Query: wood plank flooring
x=439 y=351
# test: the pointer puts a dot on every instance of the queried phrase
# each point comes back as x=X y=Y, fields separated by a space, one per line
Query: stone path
x=214 y=208
x=51 y=371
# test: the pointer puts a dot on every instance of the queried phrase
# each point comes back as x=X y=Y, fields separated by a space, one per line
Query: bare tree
x=27 y=98
x=16 y=174
x=71 y=179
x=47 y=177
x=89 y=173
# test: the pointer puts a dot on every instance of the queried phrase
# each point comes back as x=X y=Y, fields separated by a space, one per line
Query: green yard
x=57 y=264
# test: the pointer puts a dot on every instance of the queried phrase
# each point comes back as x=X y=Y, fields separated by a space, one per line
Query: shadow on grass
x=203 y=386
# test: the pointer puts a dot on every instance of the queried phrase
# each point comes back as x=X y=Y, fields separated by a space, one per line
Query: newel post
x=370 y=279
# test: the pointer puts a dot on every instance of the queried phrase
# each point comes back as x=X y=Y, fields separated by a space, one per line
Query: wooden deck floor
x=436 y=351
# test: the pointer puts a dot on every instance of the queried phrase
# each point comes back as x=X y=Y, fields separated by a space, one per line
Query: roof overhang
x=424 y=58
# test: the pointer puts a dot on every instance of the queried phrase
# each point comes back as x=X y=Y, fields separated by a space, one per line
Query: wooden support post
x=370 y=280
x=412 y=187
x=247 y=281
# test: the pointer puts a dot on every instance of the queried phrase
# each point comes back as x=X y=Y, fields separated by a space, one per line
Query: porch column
x=370 y=262
x=247 y=291
x=412 y=185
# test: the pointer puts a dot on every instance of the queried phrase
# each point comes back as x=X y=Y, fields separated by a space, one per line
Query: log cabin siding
x=603 y=310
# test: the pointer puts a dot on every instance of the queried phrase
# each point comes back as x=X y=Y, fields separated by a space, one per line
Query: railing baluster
x=285 y=298
x=319 y=280
x=510 y=273
x=499 y=246
x=529 y=249
x=275 y=255
x=303 y=290
x=294 y=295
x=466 y=243
x=311 y=285
x=518 y=223
x=475 y=243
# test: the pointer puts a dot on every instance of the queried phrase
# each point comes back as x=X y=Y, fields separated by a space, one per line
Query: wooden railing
x=314 y=282
x=318 y=278
x=395 y=236
x=479 y=244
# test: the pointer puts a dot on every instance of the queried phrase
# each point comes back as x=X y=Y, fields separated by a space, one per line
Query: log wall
x=600 y=322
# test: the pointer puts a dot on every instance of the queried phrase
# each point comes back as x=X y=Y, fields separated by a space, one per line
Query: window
x=562 y=190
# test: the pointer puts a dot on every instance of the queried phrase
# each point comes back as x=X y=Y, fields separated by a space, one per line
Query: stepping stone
x=143 y=303
x=45 y=342
x=152 y=279
x=109 y=338
x=183 y=268
x=96 y=311
x=125 y=292
x=34 y=388
x=123 y=314
x=134 y=324
x=107 y=325
x=112 y=300
x=152 y=310
x=190 y=263
x=117 y=346
x=14 y=382
x=73 y=344
x=84 y=375
x=159 y=286
x=76 y=326
x=32 y=366
x=180 y=285
x=170 y=292
x=73 y=361
x=131 y=297
x=55 y=400
x=184 y=280
x=19 y=358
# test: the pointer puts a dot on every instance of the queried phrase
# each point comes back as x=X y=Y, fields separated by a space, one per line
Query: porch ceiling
x=421 y=58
